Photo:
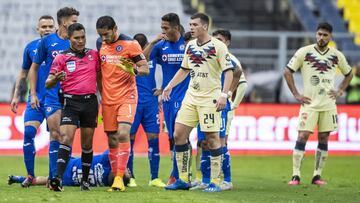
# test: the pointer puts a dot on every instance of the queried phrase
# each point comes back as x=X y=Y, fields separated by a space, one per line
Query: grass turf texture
x=256 y=179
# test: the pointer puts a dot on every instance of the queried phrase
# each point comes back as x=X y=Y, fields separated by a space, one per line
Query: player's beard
x=322 y=44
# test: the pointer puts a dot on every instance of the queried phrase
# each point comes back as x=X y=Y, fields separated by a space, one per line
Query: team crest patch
x=118 y=48
x=182 y=47
x=71 y=66
x=90 y=58
x=164 y=57
x=103 y=58
x=48 y=109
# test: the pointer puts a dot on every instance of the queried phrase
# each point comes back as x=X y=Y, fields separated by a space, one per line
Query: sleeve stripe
x=290 y=69
x=347 y=74
x=228 y=69
x=185 y=68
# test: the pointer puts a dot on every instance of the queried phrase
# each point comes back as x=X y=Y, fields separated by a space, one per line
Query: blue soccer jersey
x=170 y=55
x=147 y=111
x=99 y=171
x=28 y=56
x=146 y=85
x=47 y=49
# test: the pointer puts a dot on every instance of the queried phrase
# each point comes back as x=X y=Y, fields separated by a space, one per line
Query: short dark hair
x=105 y=22
x=46 y=17
x=74 y=27
x=325 y=26
x=187 y=36
x=225 y=33
x=141 y=38
x=203 y=17
x=172 y=18
x=65 y=13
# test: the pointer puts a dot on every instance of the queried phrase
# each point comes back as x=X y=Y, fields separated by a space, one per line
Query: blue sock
x=130 y=164
x=205 y=166
x=18 y=179
x=154 y=157
x=29 y=149
x=53 y=156
x=226 y=165
x=175 y=171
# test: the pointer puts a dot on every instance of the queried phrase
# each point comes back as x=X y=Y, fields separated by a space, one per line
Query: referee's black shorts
x=80 y=110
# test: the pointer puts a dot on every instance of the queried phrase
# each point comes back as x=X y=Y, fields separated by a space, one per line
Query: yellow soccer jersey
x=236 y=62
x=206 y=63
x=318 y=71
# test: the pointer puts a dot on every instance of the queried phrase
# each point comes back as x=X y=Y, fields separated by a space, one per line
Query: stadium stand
x=18 y=20
x=265 y=33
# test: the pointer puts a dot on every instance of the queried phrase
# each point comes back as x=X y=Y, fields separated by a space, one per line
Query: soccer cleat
x=157 y=182
x=11 y=180
x=195 y=183
x=132 y=183
x=56 y=185
x=295 y=180
x=317 y=181
x=118 y=185
x=28 y=181
x=171 y=180
x=200 y=186
x=178 y=185
x=224 y=185
x=85 y=186
x=212 y=188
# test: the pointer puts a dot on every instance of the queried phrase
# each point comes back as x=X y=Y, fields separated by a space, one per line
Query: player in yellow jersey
x=317 y=63
x=205 y=59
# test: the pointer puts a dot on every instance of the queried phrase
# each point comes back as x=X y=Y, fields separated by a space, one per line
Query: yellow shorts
x=207 y=117
x=326 y=120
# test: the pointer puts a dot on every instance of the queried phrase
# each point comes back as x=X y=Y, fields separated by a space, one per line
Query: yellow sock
x=198 y=163
x=320 y=159
x=215 y=162
x=182 y=159
x=298 y=156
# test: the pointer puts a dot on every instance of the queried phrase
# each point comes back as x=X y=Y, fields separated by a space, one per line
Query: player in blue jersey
x=237 y=87
x=168 y=50
x=100 y=173
x=47 y=49
x=33 y=117
x=147 y=114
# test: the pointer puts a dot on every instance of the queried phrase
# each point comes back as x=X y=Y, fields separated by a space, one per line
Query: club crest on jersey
x=71 y=66
x=164 y=57
x=103 y=58
x=182 y=47
x=118 y=48
x=55 y=53
x=49 y=109
x=91 y=58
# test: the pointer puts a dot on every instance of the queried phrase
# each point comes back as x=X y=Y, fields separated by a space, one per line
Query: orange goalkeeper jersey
x=118 y=86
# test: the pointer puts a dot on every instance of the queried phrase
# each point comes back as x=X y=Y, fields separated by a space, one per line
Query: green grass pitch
x=255 y=178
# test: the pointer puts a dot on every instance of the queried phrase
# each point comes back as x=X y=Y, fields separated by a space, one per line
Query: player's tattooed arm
x=21 y=79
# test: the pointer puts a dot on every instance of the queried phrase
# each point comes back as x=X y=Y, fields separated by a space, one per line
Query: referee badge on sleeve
x=71 y=66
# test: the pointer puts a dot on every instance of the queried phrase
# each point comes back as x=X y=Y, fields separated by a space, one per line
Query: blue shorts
x=51 y=108
x=148 y=116
x=170 y=111
x=222 y=133
x=31 y=114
